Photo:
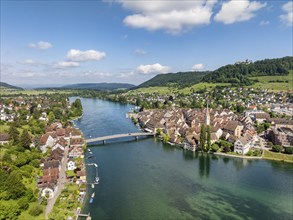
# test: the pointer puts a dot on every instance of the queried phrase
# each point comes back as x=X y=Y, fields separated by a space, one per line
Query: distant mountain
x=237 y=74
x=99 y=86
x=6 y=85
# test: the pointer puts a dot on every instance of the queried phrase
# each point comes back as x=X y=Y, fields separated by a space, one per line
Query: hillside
x=99 y=86
x=243 y=73
x=181 y=79
x=8 y=86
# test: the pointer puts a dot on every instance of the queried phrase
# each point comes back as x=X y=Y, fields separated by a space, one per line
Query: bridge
x=115 y=136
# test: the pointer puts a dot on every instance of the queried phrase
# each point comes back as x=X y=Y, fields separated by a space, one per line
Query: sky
x=131 y=41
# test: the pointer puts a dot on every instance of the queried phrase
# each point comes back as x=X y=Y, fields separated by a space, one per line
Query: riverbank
x=236 y=156
x=269 y=155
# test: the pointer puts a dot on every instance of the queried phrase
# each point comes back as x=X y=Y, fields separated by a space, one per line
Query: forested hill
x=99 y=86
x=180 y=79
x=237 y=74
x=8 y=86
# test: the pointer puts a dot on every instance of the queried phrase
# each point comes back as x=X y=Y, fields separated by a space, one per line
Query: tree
x=51 y=116
x=25 y=139
x=209 y=137
x=214 y=147
x=13 y=134
x=166 y=138
x=36 y=210
x=277 y=148
x=202 y=137
x=288 y=150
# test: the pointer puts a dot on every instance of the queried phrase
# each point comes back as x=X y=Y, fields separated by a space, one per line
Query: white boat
x=93 y=186
x=97 y=179
x=93 y=195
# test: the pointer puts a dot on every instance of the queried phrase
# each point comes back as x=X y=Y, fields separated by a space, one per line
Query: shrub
x=277 y=148
x=23 y=203
x=288 y=150
x=36 y=210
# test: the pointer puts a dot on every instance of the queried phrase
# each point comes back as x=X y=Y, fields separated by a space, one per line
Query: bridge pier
x=104 y=141
x=136 y=138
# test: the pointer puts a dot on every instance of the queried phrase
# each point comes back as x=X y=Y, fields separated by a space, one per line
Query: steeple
x=207 y=116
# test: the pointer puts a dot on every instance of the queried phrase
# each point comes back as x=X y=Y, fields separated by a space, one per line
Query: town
x=40 y=126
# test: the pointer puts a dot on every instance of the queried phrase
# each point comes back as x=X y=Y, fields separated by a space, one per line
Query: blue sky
x=63 y=42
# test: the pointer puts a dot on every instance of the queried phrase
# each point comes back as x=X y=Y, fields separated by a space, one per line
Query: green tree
x=36 y=210
x=214 y=147
x=208 y=137
x=25 y=139
x=288 y=150
x=51 y=116
x=166 y=138
x=202 y=138
x=277 y=148
x=13 y=134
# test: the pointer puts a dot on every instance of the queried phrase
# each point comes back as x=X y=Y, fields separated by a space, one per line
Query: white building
x=71 y=165
x=242 y=145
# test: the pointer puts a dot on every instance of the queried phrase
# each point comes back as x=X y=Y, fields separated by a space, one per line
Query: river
x=147 y=179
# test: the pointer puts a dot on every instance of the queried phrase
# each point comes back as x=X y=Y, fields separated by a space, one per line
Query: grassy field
x=277 y=156
x=169 y=90
x=264 y=82
x=5 y=91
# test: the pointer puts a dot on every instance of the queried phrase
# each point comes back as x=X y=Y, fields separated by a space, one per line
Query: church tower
x=207 y=116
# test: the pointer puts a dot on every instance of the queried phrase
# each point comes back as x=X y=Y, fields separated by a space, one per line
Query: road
x=60 y=184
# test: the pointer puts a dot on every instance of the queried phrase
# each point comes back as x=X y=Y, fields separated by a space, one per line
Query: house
x=4 y=138
x=47 y=140
x=260 y=117
x=81 y=175
x=242 y=145
x=71 y=165
x=43 y=117
x=76 y=142
x=49 y=190
x=281 y=136
x=281 y=122
x=234 y=128
x=75 y=152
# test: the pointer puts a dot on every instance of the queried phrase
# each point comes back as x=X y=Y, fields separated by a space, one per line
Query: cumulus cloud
x=66 y=64
x=140 y=52
x=29 y=62
x=237 y=11
x=264 y=23
x=152 y=69
x=41 y=45
x=197 y=67
x=93 y=74
x=172 y=16
x=87 y=55
x=287 y=18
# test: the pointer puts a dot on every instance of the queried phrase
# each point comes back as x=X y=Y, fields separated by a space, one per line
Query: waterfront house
x=242 y=145
x=281 y=136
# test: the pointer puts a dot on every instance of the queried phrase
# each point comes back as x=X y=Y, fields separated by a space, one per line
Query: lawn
x=277 y=156
x=264 y=82
x=33 y=92
x=4 y=128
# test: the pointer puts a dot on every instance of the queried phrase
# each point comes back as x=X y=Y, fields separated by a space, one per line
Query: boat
x=90 y=156
x=97 y=179
x=89 y=150
x=93 y=186
x=91 y=200
x=93 y=195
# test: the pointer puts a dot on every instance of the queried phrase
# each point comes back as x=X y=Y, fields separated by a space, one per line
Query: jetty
x=115 y=136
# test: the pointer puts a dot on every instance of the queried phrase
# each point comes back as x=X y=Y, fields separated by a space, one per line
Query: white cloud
x=29 y=62
x=237 y=11
x=66 y=64
x=152 y=69
x=287 y=18
x=92 y=74
x=172 y=16
x=197 y=67
x=264 y=23
x=87 y=55
x=42 y=45
x=140 y=52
